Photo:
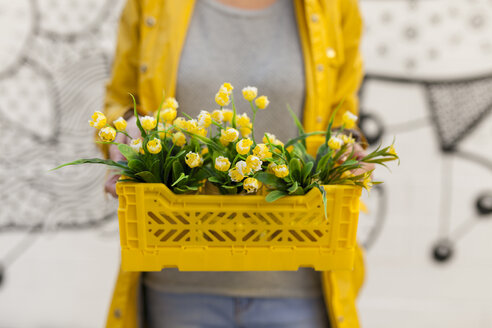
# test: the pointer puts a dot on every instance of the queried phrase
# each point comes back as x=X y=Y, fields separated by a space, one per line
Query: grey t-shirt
x=244 y=47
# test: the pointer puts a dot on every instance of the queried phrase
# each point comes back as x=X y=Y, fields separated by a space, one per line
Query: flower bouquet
x=192 y=191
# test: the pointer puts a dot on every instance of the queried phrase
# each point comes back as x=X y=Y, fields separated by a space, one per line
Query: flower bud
x=154 y=146
x=250 y=93
x=262 y=102
x=251 y=185
x=98 y=120
x=107 y=134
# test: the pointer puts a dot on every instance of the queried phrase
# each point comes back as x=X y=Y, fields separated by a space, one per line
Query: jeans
x=176 y=310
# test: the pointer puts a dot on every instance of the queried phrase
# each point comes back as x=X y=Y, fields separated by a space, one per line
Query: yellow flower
x=204 y=119
x=270 y=167
x=254 y=163
x=262 y=102
x=107 y=134
x=204 y=151
x=250 y=93
x=281 y=171
x=367 y=183
x=180 y=123
x=223 y=140
x=120 y=124
x=347 y=139
x=179 y=139
x=98 y=120
x=243 y=120
x=230 y=135
x=148 y=122
x=235 y=175
x=335 y=143
x=245 y=131
x=218 y=116
x=136 y=145
x=168 y=114
x=222 y=163
x=262 y=151
x=191 y=126
x=227 y=114
x=170 y=102
x=243 y=146
x=392 y=150
x=346 y=174
x=222 y=98
x=201 y=132
x=193 y=159
x=251 y=185
x=349 y=120
x=154 y=146
x=243 y=168
x=227 y=86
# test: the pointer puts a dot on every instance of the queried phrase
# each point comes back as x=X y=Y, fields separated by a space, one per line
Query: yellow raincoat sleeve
x=349 y=79
x=351 y=71
x=124 y=76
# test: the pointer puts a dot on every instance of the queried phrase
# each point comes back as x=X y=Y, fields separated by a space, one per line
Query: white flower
x=243 y=168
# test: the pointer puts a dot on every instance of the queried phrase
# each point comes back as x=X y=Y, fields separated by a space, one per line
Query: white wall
x=55 y=57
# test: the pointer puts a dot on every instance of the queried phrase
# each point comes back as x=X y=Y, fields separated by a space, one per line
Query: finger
x=366 y=167
x=114 y=152
x=132 y=128
x=110 y=185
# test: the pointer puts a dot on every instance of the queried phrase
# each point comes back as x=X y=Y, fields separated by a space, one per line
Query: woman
x=301 y=52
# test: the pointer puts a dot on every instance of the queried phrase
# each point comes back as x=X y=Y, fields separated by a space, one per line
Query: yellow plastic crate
x=159 y=229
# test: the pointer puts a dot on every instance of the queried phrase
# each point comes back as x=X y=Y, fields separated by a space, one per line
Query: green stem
x=254 y=109
x=235 y=160
x=233 y=123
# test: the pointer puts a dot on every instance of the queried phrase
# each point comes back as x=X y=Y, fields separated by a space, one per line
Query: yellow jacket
x=150 y=39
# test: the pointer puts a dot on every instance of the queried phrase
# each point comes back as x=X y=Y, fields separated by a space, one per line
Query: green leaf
x=323 y=195
x=129 y=173
x=201 y=174
x=155 y=168
x=93 y=161
x=302 y=137
x=332 y=119
x=159 y=111
x=215 y=180
x=322 y=150
x=270 y=180
x=147 y=176
x=127 y=151
x=139 y=125
x=209 y=142
x=229 y=187
x=177 y=170
x=297 y=122
x=323 y=162
x=137 y=165
x=182 y=177
x=293 y=188
x=306 y=171
x=274 y=195
x=295 y=169
x=298 y=191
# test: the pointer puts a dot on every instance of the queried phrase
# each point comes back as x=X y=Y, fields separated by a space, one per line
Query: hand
x=360 y=153
x=115 y=155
